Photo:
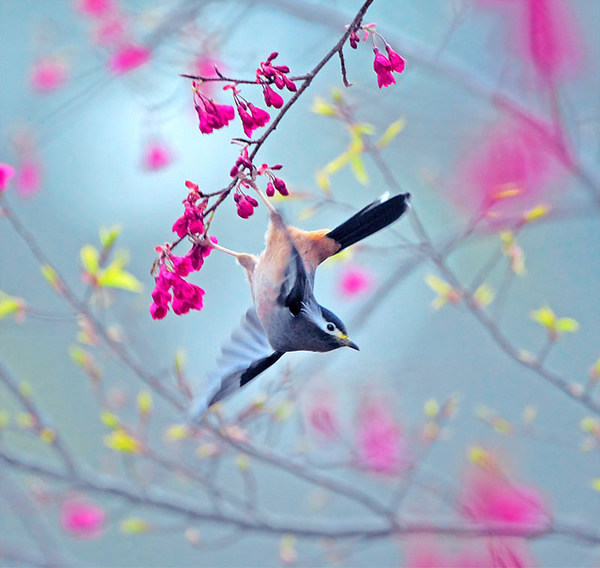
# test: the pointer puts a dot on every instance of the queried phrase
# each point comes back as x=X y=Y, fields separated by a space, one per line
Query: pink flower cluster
x=6 y=173
x=111 y=30
x=490 y=497
x=82 y=519
x=381 y=444
x=48 y=74
x=212 y=116
x=385 y=66
x=245 y=172
x=171 y=288
x=267 y=74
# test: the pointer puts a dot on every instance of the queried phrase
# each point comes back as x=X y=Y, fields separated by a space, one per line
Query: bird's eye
x=330 y=327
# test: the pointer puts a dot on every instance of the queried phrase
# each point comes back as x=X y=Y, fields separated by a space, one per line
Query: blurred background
x=495 y=128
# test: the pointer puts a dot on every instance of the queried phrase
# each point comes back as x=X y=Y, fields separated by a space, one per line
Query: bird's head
x=316 y=328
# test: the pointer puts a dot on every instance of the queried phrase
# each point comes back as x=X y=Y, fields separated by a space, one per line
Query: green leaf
x=51 y=277
x=567 y=325
x=359 y=171
x=109 y=236
x=322 y=107
x=90 y=259
x=134 y=525
x=337 y=163
x=391 y=132
x=545 y=317
x=115 y=277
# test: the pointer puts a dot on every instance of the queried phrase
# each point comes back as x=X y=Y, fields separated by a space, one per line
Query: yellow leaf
x=323 y=181
x=478 y=455
x=359 y=171
x=437 y=284
x=364 y=128
x=25 y=420
x=484 y=295
x=567 y=325
x=4 y=419
x=536 y=213
x=90 y=259
x=51 y=277
x=109 y=236
x=145 y=402
x=284 y=410
x=10 y=305
x=243 y=462
x=79 y=356
x=589 y=425
x=121 y=441
x=134 y=525
x=336 y=95
x=431 y=408
x=109 y=419
x=115 y=277
x=48 y=436
x=176 y=432
x=596 y=484
x=391 y=132
x=337 y=163
x=545 y=317
x=322 y=107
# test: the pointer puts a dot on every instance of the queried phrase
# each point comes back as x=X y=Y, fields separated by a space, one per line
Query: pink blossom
x=191 y=222
x=383 y=68
x=211 y=115
x=354 y=39
x=272 y=98
x=245 y=205
x=554 y=44
x=489 y=497
x=185 y=295
x=381 y=445
x=355 y=281
x=82 y=519
x=277 y=74
x=198 y=253
x=95 y=8
x=396 y=61
x=48 y=74
x=29 y=177
x=6 y=173
x=111 y=31
x=128 y=58
x=204 y=66
x=157 y=156
x=507 y=171
x=322 y=416
x=496 y=552
x=252 y=120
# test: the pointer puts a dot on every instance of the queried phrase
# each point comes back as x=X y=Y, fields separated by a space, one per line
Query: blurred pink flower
x=29 y=177
x=322 y=416
x=110 y=31
x=204 y=65
x=128 y=58
x=544 y=33
x=489 y=497
x=426 y=553
x=355 y=281
x=83 y=519
x=48 y=74
x=381 y=444
x=6 y=173
x=94 y=8
x=509 y=171
x=157 y=156
x=504 y=552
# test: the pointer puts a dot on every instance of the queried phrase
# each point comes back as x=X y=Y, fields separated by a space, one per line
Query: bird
x=286 y=316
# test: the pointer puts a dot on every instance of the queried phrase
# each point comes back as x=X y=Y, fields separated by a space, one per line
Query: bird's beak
x=351 y=344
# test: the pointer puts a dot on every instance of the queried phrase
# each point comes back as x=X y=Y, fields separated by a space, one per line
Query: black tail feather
x=374 y=217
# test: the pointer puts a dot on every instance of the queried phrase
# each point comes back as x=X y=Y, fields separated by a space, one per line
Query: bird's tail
x=374 y=217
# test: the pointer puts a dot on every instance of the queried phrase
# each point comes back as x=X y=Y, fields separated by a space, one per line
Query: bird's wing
x=247 y=354
x=297 y=283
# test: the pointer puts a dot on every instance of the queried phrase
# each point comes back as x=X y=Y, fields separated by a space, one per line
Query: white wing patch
x=248 y=345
